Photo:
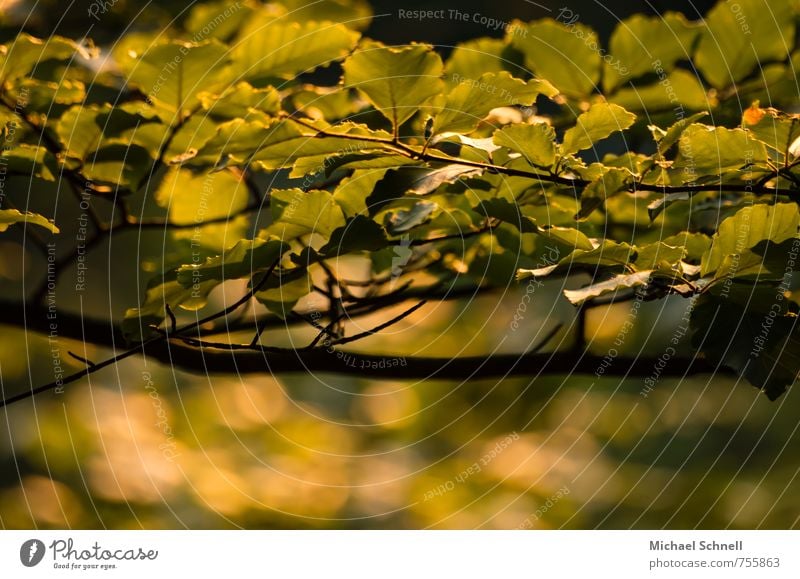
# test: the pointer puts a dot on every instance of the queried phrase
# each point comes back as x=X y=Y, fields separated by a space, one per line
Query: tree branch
x=201 y=360
x=176 y=353
x=636 y=186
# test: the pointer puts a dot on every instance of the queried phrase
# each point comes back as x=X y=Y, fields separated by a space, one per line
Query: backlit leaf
x=277 y=48
x=599 y=122
x=716 y=150
x=471 y=100
x=9 y=217
x=613 y=285
x=643 y=44
x=172 y=73
x=536 y=143
x=748 y=227
x=566 y=55
x=397 y=81
x=743 y=35
x=297 y=213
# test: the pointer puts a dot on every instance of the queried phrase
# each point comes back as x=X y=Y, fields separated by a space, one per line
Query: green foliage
x=738 y=39
x=562 y=54
x=759 y=225
x=536 y=143
x=483 y=162
x=289 y=48
x=469 y=103
x=171 y=74
x=596 y=124
x=9 y=217
x=642 y=40
x=396 y=81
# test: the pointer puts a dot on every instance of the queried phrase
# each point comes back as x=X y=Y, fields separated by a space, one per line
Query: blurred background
x=144 y=446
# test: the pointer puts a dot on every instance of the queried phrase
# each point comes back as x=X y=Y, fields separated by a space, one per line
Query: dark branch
x=408 y=151
x=381 y=327
x=199 y=358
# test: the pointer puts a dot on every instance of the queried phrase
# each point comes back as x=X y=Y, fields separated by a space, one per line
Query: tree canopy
x=277 y=146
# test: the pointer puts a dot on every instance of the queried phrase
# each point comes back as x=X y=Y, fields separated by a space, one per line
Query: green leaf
x=9 y=217
x=607 y=255
x=614 y=181
x=119 y=164
x=536 y=143
x=172 y=73
x=613 y=285
x=743 y=36
x=766 y=262
x=511 y=213
x=241 y=101
x=45 y=96
x=280 y=49
x=599 y=122
x=402 y=221
x=782 y=91
x=673 y=134
x=679 y=88
x=243 y=260
x=747 y=228
x=296 y=213
x=716 y=150
x=195 y=131
x=568 y=236
x=775 y=129
x=82 y=128
x=27 y=53
x=694 y=245
x=352 y=192
x=322 y=167
x=31 y=161
x=284 y=289
x=356 y=14
x=278 y=145
x=329 y=103
x=424 y=181
x=493 y=269
x=566 y=55
x=359 y=234
x=218 y=19
x=641 y=43
x=655 y=255
x=162 y=291
x=590 y=172
x=194 y=198
x=636 y=163
x=418 y=181
x=471 y=59
x=476 y=149
x=657 y=207
x=469 y=102
x=397 y=81
x=507 y=212
x=763 y=348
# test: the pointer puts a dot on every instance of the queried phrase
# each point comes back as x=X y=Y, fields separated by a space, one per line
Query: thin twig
x=546 y=340
x=635 y=186
x=86 y=361
x=326 y=331
x=172 y=320
x=377 y=329
x=163 y=336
